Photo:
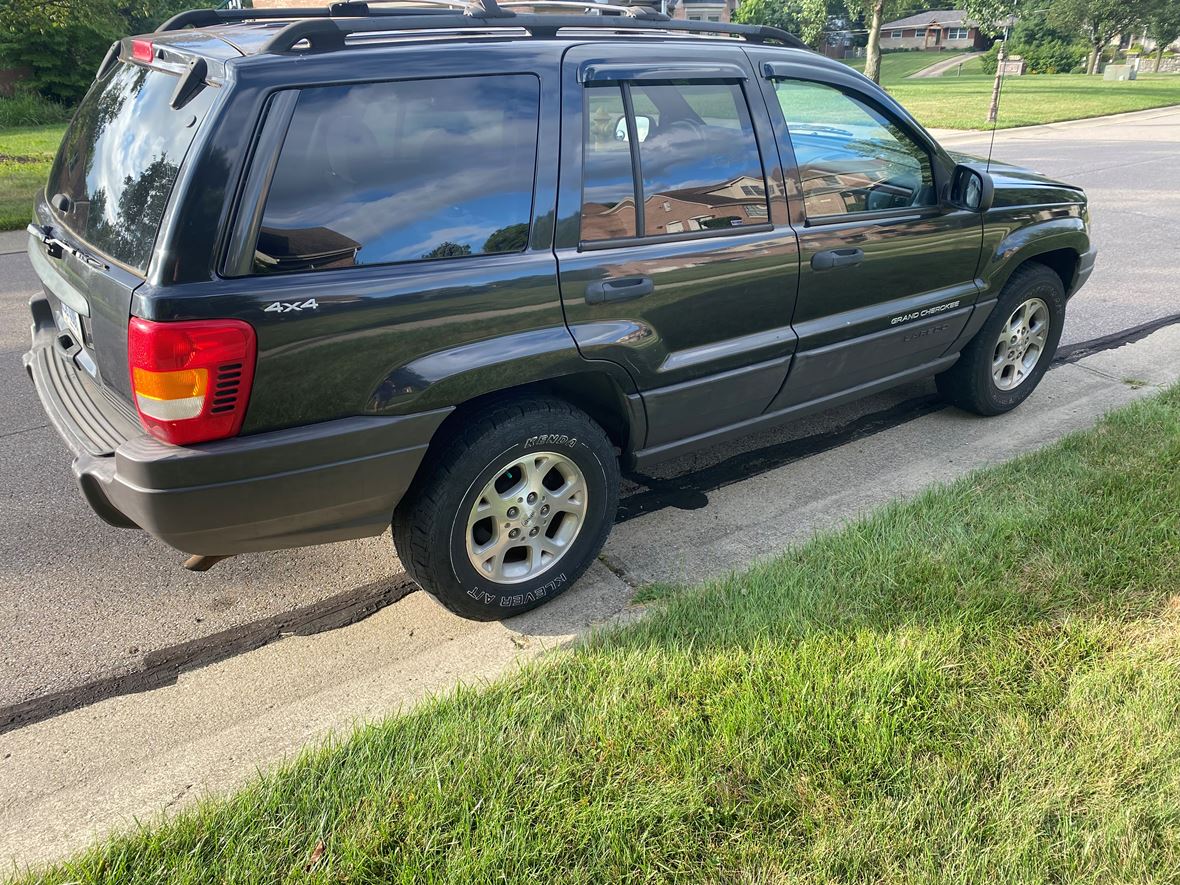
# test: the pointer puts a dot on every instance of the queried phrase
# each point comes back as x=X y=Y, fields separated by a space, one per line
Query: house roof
x=954 y=18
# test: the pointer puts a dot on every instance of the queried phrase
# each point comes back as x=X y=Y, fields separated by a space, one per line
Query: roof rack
x=325 y=28
x=207 y=18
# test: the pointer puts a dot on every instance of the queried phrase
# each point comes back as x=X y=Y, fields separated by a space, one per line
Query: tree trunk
x=1159 y=57
x=1096 y=63
x=873 y=50
x=994 y=108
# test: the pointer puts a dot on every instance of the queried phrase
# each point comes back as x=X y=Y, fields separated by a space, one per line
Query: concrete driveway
x=88 y=611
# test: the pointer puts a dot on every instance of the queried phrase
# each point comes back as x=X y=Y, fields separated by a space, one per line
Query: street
x=89 y=611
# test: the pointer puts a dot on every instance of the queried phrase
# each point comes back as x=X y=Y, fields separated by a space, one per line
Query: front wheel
x=1007 y=358
x=511 y=510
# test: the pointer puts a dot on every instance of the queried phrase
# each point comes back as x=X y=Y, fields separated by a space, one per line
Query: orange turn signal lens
x=183 y=384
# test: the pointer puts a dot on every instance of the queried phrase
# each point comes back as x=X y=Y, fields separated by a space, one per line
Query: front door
x=675 y=254
x=887 y=278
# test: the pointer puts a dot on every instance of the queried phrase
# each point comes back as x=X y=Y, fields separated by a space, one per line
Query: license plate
x=69 y=321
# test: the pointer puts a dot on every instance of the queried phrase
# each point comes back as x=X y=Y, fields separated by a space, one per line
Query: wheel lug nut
x=532 y=497
x=533 y=532
x=544 y=509
x=515 y=533
x=512 y=512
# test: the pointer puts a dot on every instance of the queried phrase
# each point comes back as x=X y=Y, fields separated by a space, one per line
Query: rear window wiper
x=55 y=248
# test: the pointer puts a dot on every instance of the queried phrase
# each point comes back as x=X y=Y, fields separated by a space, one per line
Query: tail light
x=191 y=380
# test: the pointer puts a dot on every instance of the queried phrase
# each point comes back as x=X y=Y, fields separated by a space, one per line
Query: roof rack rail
x=591 y=7
x=205 y=18
x=326 y=27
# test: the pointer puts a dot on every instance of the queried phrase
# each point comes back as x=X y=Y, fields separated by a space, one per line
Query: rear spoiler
x=192 y=69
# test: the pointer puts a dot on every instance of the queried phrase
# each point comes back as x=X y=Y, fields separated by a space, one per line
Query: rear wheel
x=511 y=510
x=1010 y=354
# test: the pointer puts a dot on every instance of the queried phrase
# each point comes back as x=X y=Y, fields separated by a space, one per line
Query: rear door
x=675 y=255
x=887 y=272
x=102 y=208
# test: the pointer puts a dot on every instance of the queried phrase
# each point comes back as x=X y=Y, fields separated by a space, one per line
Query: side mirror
x=971 y=189
x=642 y=127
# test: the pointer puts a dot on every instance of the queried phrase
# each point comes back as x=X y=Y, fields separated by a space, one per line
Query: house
x=934 y=29
x=696 y=10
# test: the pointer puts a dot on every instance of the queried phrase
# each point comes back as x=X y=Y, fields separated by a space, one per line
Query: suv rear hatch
x=97 y=222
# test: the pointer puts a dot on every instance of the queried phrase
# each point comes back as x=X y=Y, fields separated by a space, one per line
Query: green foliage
x=1053 y=57
x=1098 y=21
x=448 y=249
x=1163 y=22
x=981 y=684
x=62 y=43
x=990 y=60
x=28 y=108
x=804 y=18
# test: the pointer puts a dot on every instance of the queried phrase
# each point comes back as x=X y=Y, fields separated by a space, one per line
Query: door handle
x=619 y=289
x=837 y=258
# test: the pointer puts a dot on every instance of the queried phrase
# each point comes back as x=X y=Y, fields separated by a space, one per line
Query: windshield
x=120 y=158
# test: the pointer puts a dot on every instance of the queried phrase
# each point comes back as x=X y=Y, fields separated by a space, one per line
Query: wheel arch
x=596 y=392
x=1056 y=243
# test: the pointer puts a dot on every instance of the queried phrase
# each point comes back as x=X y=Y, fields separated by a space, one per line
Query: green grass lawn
x=961 y=102
x=26 y=154
x=897 y=66
x=978 y=685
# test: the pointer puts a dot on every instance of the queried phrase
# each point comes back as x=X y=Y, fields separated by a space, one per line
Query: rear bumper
x=287 y=488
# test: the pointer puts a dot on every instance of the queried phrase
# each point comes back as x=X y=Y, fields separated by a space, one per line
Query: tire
x=972 y=383
x=468 y=560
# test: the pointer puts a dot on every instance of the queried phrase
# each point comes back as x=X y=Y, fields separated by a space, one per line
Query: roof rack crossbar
x=325 y=33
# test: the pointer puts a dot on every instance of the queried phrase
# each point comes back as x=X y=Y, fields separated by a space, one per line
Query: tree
x=992 y=16
x=1163 y=26
x=63 y=41
x=804 y=18
x=873 y=13
x=1099 y=21
x=448 y=249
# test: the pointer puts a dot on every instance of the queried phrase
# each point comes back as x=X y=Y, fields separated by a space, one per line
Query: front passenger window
x=851 y=157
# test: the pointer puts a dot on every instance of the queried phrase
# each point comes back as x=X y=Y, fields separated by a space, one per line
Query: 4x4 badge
x=288 y=306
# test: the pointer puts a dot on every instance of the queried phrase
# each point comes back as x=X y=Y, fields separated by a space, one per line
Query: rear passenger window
x=851 y=157
x=698 y=163
x=608 y=186
x=378 y=173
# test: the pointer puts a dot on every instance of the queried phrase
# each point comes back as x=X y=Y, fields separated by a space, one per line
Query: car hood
x=1018 y=186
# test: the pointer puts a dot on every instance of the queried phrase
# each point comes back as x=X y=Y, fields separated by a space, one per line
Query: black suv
x=307 y=272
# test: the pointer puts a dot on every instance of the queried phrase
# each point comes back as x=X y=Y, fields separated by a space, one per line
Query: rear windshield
x=120 y=158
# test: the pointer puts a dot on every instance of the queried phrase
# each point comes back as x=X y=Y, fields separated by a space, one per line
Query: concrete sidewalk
x=80 y=775
x=949 y=137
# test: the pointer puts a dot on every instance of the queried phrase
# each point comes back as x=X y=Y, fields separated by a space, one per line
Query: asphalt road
x=86 y=609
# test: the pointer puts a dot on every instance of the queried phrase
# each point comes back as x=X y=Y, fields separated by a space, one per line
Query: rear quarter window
x=120 y=159
x=380 y=173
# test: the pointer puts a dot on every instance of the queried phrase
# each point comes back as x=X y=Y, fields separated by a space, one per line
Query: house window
x=895 y=35
x=958 y=34
x=921 y=32
x=714 y=18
